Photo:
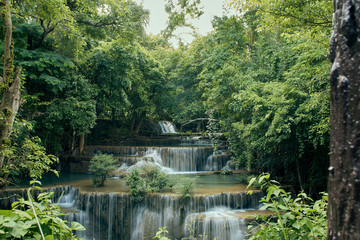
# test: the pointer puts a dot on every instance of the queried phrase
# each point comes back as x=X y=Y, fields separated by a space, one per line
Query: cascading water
x=115 y=216
x=112 y=214
x=167 y=127
x=177 y=158
x=217 y=223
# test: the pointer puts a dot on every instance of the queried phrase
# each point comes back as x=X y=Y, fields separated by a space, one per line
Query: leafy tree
x=9 y=83
x=178 y=15
x=270 y=93
x=72 y=113
x=100 y=166
x=25 y=155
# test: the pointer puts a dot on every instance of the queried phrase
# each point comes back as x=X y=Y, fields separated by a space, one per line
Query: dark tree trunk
x=140 y=122
x=82 y=143
x=344 y=176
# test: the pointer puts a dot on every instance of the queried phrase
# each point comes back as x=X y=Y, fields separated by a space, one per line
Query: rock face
x=344 y=176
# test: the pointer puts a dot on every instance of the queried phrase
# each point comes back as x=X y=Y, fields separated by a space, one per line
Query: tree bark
x=8 y=60
x=10 y=84
x=344 y=176
x=81 y=143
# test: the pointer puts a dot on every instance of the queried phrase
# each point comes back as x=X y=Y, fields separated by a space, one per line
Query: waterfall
x=114 y=216
x=219 y=223
x=176 y=158
x=167 y=127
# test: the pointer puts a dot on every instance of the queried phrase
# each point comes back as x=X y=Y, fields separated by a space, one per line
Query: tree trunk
x=344 y=176
x=141 y=121
x=81 y=143
x=9 y=84
x=72 y=147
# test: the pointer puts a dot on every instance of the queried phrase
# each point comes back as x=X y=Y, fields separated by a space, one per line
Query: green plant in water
x=30 y=219
x=161 y=234
x=147 y=179
x=156 y=180
x=100 y=166
x=185 y=186
x=136 y=184
x=299 y=218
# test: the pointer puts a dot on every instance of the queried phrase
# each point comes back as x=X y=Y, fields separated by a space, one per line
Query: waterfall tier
x=178 y=159
x=115 y=216
x=167 y=127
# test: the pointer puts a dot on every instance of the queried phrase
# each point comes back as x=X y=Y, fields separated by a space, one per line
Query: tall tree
x=344 y=178
x=9 y=83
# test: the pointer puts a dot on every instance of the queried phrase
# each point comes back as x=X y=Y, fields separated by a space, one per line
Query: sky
x=158 y=17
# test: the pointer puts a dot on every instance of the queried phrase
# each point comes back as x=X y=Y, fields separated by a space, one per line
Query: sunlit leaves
x=28 y=216
x=292 y=218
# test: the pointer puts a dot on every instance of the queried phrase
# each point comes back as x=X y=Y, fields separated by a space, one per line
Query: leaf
x=23 y=214
x=9 y=224
x=49 y=237
x=77 y=226
x=289 y=215
x=277 y=192
x=8 y=213
x=296 y=225
x=251 y=182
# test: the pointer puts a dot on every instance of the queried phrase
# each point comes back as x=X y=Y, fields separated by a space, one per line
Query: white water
x=167 y=127
x=219 y=223
x=155 y=161
x=113 y=216
x=67 y=200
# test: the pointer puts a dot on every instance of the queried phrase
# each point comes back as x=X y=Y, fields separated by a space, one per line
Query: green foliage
x=130 y=83
x=72 y=112
x=299 y=218
x=100 y=166
x=30 y=219
x=161 y=234
x=185 y=186
x=179 y=11
x=155 y=179
x=136 y=184
x=246 y=178
x=270 y=93
x=147 y=179
x=25 y=156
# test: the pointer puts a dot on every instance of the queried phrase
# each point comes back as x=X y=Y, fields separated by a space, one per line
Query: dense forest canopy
x=90 y=71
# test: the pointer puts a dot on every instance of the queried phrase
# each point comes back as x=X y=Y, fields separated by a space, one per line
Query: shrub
x=136 y=184
x=29 y=219
x=245 y=179
x=185 y=186
x=147 y=179
x=156 y=180
x=299 y=218
x=100 y=166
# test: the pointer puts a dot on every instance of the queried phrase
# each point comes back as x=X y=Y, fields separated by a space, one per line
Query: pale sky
x=158 y=16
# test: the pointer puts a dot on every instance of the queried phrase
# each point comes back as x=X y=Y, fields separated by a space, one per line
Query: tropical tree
x=9 y=84
x=343 y=185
